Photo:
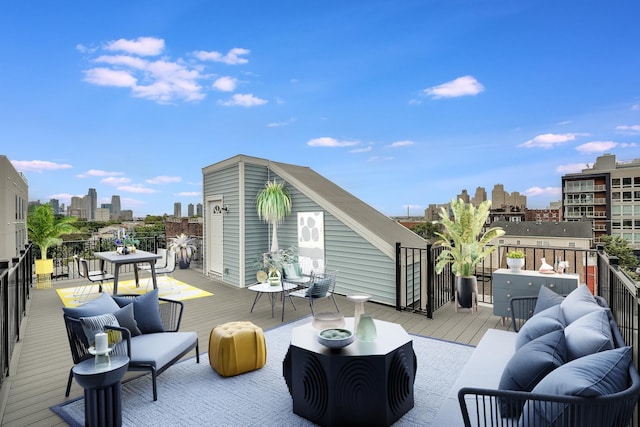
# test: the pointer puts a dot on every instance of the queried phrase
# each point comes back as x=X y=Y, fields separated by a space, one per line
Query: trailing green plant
x=45 y=229
x=464 y=243
x=515 y=254
x=273 y=204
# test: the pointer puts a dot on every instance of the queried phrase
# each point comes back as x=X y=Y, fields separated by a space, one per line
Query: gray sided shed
x=359 y=241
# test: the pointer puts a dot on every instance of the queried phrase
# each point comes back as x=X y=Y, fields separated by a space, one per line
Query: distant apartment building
x=607 y=194
x=551 y=214
x=126 y=215
x=190 y=210
x=177 y=209
x=92 y=203
x=78 y=208
x=102 y=215
x=199 y=209
x=115 y=206
x=55 y=205
x=14 y=204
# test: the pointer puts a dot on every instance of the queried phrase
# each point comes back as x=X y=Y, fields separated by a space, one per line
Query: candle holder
x=102 y=359
x=359 y=301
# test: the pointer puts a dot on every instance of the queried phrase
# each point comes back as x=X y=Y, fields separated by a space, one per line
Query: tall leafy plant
x=45 y=230
x=465 y=245
x=273 y=204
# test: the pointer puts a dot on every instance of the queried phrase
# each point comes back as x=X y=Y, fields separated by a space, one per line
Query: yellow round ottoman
x=236 y=348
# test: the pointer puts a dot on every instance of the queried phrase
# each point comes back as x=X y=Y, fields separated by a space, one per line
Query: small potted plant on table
x=515 y=260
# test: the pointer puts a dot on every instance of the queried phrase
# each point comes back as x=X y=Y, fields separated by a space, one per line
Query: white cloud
x=362 y=150
x=225 y=84
x=571 y=168
x=379 y=159
x=330 y=142
x=137 y=189
x=124 y=60
x=189 y=194
x=546 y=191
x=635 y=107
x=143 y=46
x=38 y=166
x=107 y=77
x=232 y=57
x=405 y=143
x=99 y=173
x=281 y=124
x=163 y=179
x=415 y=102
x=114 y=181
x=628 y=130
x=549 y=140
x=602 y=146
x=462 y=86
x=243 y=100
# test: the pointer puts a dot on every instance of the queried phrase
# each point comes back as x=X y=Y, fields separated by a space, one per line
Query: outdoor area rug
x=191 y=394
x=168 y=287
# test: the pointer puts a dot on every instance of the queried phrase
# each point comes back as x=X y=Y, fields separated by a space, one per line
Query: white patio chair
x=166 y=272
x=83 y=291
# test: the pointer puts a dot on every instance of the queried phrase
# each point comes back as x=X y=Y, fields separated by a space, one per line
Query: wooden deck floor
x=41 y=362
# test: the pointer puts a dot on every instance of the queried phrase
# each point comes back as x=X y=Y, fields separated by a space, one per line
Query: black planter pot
x=466 y=291
x=184 y=264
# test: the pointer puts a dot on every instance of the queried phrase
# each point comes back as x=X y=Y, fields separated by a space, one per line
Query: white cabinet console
x=507 y=284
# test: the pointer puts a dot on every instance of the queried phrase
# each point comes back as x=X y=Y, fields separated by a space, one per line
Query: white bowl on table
x=335 y=337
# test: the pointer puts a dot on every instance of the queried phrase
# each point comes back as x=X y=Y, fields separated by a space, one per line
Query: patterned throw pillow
x=95 y=324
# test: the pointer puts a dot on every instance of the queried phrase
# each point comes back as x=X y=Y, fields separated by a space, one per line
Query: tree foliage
x=426 y=230
x=619 y=247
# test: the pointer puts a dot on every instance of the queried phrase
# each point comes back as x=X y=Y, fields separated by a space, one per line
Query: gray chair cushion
x=101 y=305
x=589 y=334
x=578 y=303
x=146 y=311
x=546 y=321
x=594 y=375
x=319 y=288
x=546 y=298
x=158 y=349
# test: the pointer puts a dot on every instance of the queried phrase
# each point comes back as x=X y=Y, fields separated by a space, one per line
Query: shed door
x=214 y=257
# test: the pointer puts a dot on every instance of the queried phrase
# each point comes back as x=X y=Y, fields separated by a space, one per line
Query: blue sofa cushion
x=127 y=320
x=529 y=365
x=578 y=303
x=146 y=311
x=589 y=334
x=546 y=299
x=158 y=349
x=546 y=321
x=101 y=305
x=594 y=375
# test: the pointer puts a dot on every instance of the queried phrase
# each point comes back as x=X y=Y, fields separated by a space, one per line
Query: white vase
x=516 y=264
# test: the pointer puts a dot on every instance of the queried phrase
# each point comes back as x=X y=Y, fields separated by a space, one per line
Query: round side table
x=102 y=391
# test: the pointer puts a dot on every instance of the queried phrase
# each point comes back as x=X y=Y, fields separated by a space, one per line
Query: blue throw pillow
x=101 y=305
x=127 y=320
x=578 y=303
x=146 y=311
x=598 y=374
x=589 y=334
x=546 y=321
x=529 y=365
x=319 y=288
x=546 y=298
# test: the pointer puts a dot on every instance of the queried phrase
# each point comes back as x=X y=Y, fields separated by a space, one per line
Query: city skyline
x=402 y=105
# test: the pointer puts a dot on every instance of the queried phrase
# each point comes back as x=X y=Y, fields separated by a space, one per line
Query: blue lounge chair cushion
x=146 y=311
x=589 y=334
x=101 y=305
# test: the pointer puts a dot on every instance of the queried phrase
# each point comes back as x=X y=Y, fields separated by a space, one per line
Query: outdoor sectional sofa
x=148 y=327
x=568 y=365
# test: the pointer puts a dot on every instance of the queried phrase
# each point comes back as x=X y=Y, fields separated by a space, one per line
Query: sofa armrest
x=123 y=347
x=171 y=314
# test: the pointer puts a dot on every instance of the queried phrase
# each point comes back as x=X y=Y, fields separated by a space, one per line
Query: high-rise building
x=55 y=206
x=93 y=204
x=77 y=207
x=608 y=195
x=177 y=209
x=14 y=202
x=199 y=209
x=115 y=205
x=190 y=210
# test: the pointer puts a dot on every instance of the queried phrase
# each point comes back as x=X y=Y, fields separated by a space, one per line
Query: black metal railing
x=16 y=277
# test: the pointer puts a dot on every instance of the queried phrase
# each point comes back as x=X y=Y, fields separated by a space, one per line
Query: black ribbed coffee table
x=363 y=384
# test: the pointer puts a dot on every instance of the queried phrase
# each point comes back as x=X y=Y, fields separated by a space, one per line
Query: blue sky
x=401 y=103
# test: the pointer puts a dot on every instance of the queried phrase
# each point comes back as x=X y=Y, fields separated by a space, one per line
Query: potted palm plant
x=465 y=246
x=273 y=204
x=184 y=247
x=45 y=231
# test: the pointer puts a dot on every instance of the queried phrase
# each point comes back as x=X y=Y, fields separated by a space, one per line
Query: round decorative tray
x=335 y=337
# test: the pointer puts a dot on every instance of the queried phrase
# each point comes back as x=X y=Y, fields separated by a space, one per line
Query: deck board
x=42 y=359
